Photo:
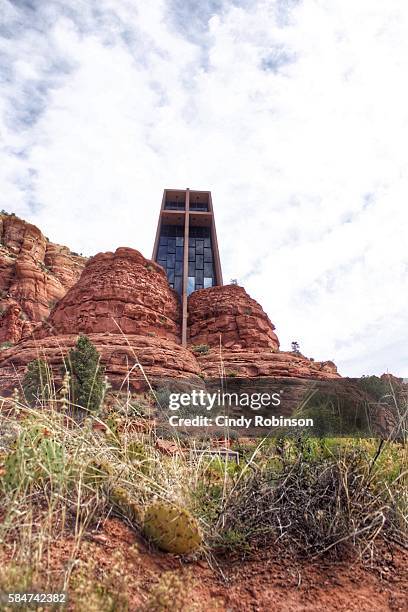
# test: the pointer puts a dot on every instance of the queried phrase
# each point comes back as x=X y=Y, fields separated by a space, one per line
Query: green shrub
x=37 y=382
x=86 y=375
x=200 y=349
x=6 y=345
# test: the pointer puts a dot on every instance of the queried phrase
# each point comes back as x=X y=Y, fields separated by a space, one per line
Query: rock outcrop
x=119 y=293
x=228 y=314
x=124 y=303
x=34 y=275
x=263 y=363
x=228 y=317
x=127 y=362
x=12 y=323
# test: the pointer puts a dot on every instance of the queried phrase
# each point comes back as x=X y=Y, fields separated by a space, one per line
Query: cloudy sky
x=293 y=113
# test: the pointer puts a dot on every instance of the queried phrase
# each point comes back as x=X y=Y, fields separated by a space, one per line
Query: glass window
x=199 y=262
x=208 y=282
x=174 y=205
x=208 y=269
x=207 y=255
x=179 y=253
x=190 y=285
x=178 y=283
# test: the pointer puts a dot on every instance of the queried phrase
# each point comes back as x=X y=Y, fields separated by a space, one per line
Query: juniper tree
x=295 y=347
x=37 y=382
x=86 y=375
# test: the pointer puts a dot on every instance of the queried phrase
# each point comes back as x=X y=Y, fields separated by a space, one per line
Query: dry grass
x=60 y=477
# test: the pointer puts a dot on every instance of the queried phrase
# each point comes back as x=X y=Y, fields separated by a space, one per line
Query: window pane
x=208 y=269
x=178 y=284
x=190 y=285
x=207 y=282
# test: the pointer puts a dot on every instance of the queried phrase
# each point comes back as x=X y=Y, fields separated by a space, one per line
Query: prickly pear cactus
x=36 y=456
x=122 y=499
x=172 y=528
x=139 y=457
x=17 y=468
x=136 y=451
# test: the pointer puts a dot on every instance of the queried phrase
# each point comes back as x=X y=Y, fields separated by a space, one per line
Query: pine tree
x=37 y=382
x=86 y=375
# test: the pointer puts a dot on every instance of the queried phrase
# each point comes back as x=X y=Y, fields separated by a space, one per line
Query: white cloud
x=294 y=114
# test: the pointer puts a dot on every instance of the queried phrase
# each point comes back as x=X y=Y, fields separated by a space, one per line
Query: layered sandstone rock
x=128 y=363
x=264 y=363
x=34 y=275
x=228 y=314
x=12 y=323
x=124 y=303
x=119 y=293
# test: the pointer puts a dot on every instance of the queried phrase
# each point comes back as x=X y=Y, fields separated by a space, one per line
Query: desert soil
x=267 y=581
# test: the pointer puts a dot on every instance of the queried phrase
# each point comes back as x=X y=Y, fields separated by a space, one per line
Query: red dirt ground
x=267 y=582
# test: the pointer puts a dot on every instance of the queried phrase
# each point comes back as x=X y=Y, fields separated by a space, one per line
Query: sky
x=293 y=113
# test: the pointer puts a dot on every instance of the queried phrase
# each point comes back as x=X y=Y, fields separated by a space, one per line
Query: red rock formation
x=260 y=362
x=230 y=314
x=160 y=359
x=391 y=379
x=11 y=322
x=119 y=292
x=124 y=303
x=34 y=274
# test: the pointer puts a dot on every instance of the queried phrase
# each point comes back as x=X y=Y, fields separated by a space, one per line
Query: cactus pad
x=36 y=456
x=172 y=528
